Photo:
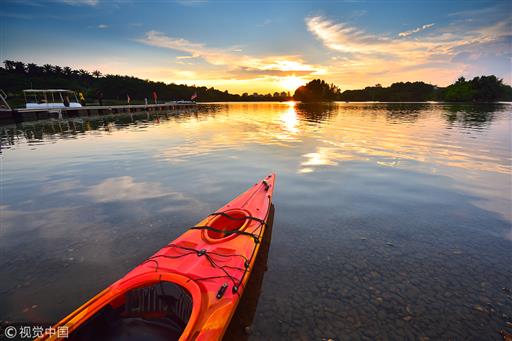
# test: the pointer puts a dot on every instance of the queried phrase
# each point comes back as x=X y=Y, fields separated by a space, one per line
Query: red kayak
x=189 y=289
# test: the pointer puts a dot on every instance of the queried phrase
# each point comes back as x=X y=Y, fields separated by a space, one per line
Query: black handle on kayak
x=222 y=290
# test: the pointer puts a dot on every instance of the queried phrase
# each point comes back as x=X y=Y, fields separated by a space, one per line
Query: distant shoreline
x=120 y=90
x=368 y=102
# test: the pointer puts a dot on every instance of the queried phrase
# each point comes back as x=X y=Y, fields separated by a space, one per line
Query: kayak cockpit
x=227 y=221
x=160 y=311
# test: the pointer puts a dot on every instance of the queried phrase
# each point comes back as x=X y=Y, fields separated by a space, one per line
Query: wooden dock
x=23 y=115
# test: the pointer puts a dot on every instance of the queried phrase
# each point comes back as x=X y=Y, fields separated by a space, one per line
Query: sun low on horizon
x=264 y=48
x=290 y=83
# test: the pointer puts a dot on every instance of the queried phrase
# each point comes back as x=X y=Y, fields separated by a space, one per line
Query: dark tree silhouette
x=482 y=89
x=83 y=73
x=316 y=91
x=34 y=70
x=479 y=89
x=48 y=69
x=66 y=70
x=19 y=67
x=9 y=65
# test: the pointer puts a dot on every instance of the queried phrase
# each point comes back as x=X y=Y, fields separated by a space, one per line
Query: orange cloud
x=240 y=67
x=435 y=58
x=228 y=56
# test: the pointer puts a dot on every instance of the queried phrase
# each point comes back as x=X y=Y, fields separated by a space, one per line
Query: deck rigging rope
x=237 y=282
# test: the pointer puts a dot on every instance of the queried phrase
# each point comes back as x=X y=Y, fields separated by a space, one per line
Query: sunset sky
x=264 y=46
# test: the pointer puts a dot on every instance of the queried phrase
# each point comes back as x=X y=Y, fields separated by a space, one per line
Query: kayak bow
x=190 y=288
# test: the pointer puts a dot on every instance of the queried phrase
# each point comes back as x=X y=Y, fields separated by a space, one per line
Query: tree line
x=16 y=76
x=479 y=89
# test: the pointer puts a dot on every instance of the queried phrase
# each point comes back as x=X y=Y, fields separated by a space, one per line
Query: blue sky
x=264 y=46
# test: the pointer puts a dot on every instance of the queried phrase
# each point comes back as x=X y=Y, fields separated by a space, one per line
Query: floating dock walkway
x=23 y=115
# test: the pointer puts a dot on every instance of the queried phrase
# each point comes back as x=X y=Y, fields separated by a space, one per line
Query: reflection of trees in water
x=405 y=112
x=472 y=115
x=393 y=112
x=70 y=128
x=244 y=314
x=315 y=112
x=467 y=115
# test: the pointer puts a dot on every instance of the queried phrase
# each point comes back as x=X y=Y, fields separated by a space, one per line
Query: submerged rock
x=479 y=308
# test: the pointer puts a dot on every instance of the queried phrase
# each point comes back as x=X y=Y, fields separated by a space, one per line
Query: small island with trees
x=16 y=76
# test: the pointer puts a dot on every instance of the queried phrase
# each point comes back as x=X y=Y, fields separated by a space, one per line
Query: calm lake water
x=392 y=221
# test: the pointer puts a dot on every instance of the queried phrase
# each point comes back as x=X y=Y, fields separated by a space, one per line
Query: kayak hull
x=195 y=282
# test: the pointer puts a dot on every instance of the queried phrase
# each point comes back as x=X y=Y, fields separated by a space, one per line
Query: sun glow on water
x=289 y=119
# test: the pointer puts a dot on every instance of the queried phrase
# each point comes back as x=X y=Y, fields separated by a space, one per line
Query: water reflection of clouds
x=389 y=163
x=325 y=156
x=53 y=220
x=192 y=149
x=322 y=157
x=124 y=188
x=47 y=223
x=57 y=186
